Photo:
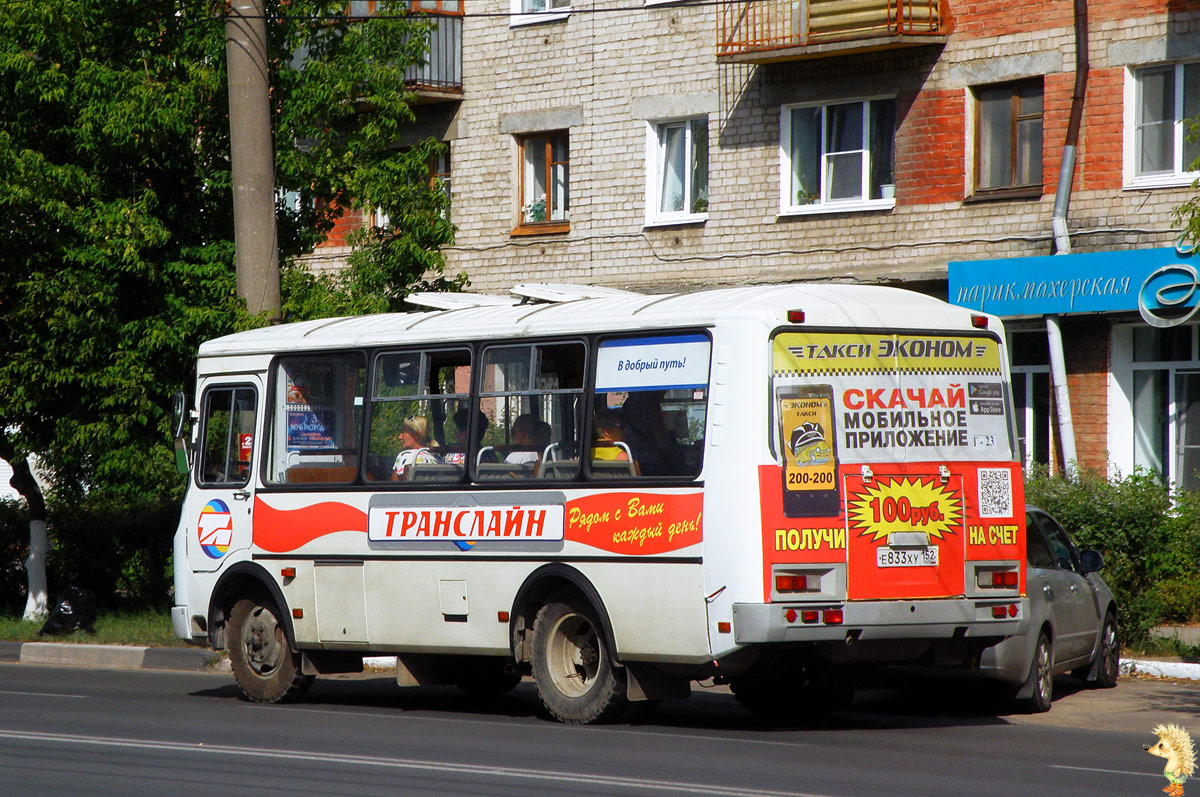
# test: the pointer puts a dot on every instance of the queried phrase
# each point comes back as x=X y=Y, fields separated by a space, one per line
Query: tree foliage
x=115 y=197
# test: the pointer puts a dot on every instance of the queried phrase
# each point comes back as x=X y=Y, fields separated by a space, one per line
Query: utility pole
x=255 y=237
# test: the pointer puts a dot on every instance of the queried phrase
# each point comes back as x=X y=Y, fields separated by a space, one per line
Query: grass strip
x=136 y=628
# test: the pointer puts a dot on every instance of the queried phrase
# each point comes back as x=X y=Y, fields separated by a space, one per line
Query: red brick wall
x=929 y=148
x=347 y=222
x=974 y=19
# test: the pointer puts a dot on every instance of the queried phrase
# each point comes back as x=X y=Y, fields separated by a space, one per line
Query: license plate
x=907 y=557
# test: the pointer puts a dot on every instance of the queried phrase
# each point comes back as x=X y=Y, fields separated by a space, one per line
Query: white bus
x=770 y=487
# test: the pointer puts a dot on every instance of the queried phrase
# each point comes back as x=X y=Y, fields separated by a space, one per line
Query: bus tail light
x=793 y=581
x=997 y=577
x=979 y=321
x=795 y=316
x=1004 y=578
x=832 y=617
x=790 y=582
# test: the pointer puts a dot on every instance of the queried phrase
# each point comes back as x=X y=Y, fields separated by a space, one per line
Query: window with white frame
x=838 y=156
x=1159 y=101
x=525 y=12
x=543 y=182
x=1030 y=370
x=677 y=171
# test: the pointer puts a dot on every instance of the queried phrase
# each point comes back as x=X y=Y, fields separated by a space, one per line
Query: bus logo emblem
x=215 y=528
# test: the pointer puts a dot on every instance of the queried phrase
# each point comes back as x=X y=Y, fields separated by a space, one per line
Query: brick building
x=658 y=145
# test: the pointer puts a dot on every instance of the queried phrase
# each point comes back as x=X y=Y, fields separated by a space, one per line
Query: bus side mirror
x=179 y=414
x=179 y=419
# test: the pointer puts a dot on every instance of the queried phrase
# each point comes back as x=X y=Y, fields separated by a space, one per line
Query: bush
x=1149 y=537
x=117 y=549
x=14 y=542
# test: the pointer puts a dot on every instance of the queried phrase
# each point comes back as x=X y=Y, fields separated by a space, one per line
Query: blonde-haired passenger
x=414 y=446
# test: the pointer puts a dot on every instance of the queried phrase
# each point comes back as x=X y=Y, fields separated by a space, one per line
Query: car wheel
x=1108 y=657
x=572 y=667
x=266 y=669
x=1041 y=677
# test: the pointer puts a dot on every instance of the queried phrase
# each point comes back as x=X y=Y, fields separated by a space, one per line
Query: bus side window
x=653 y=394
x=316 y=430
x=420 y=404
x=227 y=440
x=532 y=396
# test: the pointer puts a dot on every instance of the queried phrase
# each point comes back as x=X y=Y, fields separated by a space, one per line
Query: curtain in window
x=806 y=155
x=674 y=149
x=844 y=144
x=1155 y=125
x=534 y=196
x=699 y=195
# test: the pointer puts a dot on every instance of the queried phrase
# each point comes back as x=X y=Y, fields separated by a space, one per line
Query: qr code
x=995 y=492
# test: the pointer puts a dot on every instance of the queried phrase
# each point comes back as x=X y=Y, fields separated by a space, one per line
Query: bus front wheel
x=572 y=667
x=266 y=669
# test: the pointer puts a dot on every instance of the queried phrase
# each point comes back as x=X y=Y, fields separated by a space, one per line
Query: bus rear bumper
x=867 y=620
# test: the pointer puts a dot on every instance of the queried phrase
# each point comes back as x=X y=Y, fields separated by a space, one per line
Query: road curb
x=119 y=657
x=1166 y=669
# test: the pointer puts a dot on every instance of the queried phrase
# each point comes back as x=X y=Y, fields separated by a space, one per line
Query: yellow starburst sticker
x=905 y=504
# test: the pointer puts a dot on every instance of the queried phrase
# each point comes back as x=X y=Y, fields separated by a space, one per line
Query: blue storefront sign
x=1162 y=284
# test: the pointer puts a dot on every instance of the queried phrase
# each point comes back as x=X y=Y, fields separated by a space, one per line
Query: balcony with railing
x=440 y=77
x=763 y=31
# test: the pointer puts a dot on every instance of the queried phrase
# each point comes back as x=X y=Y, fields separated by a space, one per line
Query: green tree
x=115 y=198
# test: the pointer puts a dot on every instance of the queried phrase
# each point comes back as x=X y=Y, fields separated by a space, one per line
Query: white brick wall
x=607 y=61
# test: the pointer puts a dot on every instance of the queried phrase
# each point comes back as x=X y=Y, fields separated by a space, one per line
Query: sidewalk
x=202 y=659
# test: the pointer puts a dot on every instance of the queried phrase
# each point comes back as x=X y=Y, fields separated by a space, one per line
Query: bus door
x=219 y=504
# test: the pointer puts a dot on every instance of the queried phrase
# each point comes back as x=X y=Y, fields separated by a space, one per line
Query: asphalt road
x=70 y=731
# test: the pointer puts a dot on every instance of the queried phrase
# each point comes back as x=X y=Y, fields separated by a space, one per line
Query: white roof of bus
x=823 y=305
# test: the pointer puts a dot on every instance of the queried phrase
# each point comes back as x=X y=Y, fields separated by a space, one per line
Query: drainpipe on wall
x=1062 y=238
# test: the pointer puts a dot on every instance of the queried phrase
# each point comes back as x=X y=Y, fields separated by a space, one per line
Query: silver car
x=1072 y=625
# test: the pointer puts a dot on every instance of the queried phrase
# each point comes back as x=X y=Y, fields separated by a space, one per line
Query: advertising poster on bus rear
x=896 y=457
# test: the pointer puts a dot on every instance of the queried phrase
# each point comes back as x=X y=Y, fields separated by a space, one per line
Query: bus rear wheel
x=572 y=667
x=266 y=668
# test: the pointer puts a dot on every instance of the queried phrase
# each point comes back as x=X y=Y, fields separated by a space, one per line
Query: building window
x=1159 y=101
x=1030 y=353
x=1158 y=384
x=439 y=180
x=525 y=12
x=677 y=172
x=543 y=182
x=1008 y=138
x=838 y=156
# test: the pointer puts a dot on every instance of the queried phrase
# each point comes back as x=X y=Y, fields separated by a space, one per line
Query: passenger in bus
x=414 y=448
x=654 y=448
x=462 y=417
x=532 y=435
x=610 y=436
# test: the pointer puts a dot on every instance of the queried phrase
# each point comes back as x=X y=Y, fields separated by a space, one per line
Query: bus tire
x=572 y=668
x=266 y=669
